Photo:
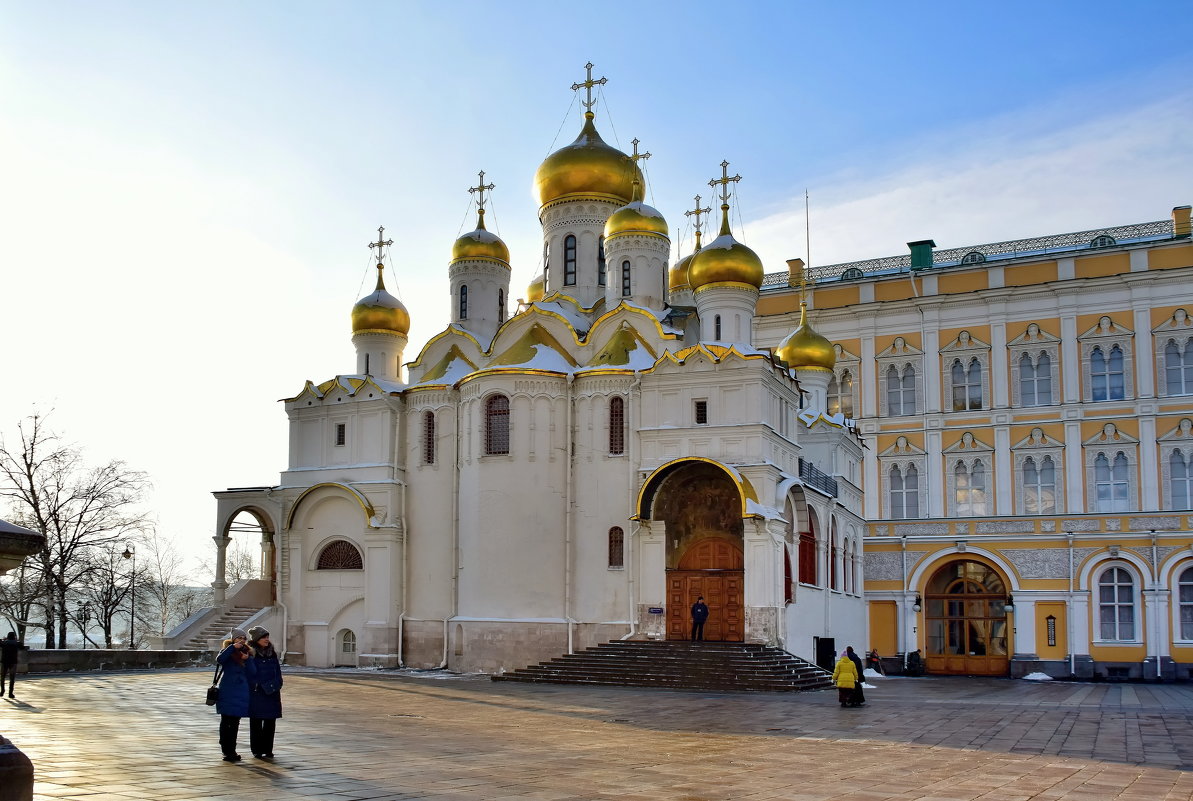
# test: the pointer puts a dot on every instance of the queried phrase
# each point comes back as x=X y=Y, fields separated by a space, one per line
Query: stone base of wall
x=16 y=773
x=70 y=659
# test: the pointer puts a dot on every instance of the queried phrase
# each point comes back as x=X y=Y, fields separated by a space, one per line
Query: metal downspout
x=1069 y=612
x=903 y=621
x=405 y=575
x=567 y=515
x=1156 y=627
x=628 y=552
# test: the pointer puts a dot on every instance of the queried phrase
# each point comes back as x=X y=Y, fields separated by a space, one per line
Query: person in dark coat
x=699 y=615
x=858 y=698
x=10 y=649
x=233 y=704
x=265 y=694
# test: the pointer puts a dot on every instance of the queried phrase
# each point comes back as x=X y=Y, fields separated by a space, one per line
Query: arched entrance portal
x=713 y=568
x=966 y=618
x=702 y=504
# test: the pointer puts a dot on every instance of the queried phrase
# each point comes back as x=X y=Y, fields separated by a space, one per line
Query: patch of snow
x=871 y=673
x=1037 y=676
x=868 y=686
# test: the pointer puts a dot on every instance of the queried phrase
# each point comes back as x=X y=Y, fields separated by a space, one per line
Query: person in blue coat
x=238 y=673
x=265 y=693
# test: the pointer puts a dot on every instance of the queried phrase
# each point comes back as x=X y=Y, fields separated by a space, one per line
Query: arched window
x=1116 y=605
x=900 y=390
x=969 y=489
x=1181 y=480
x=973 y=257
x=807 y=556
x=834 y=556
x=852 y=274
x=497 y=425
x=340 y=555
x=788 y=590
x=905 y=493
x=1184 y=594
x=967 y=385
x=1112 y=487
x=716 y=325
x=428 y=437
x=601 y=269
x=464 y=302
x=569 y=260
x=616 y=547
x=1103 y=241
x=348 y=643
x=840 y=394
x=1178 y=368
x=501 y=305
x=1039 y=486
x=616 y=426
x=1106 y=374
x=1035 y=380
x=625 y=279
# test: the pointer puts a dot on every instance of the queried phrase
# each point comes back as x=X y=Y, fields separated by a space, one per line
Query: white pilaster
x=1074 y=472
x=1004 y=493
x=936 y=483
x=1149 y=465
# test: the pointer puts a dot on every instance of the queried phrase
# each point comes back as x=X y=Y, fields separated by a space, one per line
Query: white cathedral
x=575 y=472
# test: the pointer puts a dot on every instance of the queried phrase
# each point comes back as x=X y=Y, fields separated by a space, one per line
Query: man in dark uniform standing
x=699 y=615
x=10 y=647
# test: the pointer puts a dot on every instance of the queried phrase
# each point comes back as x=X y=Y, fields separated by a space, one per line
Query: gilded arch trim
x=355 y=494
x=646 y=495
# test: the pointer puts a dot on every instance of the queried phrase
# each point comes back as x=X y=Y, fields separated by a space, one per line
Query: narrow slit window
x=569 y=260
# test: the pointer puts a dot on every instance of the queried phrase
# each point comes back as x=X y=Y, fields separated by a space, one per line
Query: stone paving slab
x=380 y=736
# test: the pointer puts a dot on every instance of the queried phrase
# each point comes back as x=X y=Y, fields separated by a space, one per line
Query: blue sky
x=189 y=187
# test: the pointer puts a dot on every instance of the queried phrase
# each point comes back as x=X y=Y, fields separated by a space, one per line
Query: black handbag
x=213 y=692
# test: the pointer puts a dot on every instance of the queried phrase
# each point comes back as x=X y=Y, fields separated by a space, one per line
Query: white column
x=999 y=373
x=1074 y=470
x=871 y=486
x=932 y=370
x=1149 y=465
x=220 y=585
x=909 y=624
x=1070 y=359
x=652 y=583
x=936 y=483
x=1004 y=485
x=1079 y=612
x=1145 y=358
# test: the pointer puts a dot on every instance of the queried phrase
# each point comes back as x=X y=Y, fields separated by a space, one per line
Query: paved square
x=362 y=735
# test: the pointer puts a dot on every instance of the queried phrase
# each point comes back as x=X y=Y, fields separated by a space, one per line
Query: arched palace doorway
x=701 y=504
x=966 y=618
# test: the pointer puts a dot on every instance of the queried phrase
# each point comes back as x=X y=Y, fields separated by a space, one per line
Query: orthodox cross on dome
x=698 y=212
x=481 y=187
x=724 y=181
x=380 y=243
x=587 y=87
x=636 y=156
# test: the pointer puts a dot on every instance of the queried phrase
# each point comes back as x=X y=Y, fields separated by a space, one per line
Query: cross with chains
x=481 y=187
x=724 y=181
x=698 y=213
x=636 y=156
x=380 y=243
x=587 y=87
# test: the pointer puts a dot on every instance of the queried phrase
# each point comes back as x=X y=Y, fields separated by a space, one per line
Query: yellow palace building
x=1027 y=409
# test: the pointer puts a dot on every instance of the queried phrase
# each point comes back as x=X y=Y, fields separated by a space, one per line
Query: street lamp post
x=131 y=553
x=84 y=609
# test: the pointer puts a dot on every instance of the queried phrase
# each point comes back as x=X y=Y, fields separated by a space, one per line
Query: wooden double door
x=711 y=568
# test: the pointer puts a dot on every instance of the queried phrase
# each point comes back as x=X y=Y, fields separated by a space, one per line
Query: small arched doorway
x=966 y=619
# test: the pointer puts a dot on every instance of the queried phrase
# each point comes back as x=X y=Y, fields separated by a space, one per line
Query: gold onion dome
x=636 y=218
x=804 y=349
x=380 y=311
x=677 y=276
x=536 y=290
x=725 y=260
x=587 y=167
x=480 y=244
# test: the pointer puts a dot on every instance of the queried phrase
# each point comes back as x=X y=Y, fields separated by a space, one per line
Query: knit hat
x=844 y=653
x=256 y=633
x=237 y=633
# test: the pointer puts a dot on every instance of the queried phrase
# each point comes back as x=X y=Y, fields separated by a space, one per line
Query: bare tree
x=22 y=595
x=106 y=584
x=78 y=507
x=165 y=581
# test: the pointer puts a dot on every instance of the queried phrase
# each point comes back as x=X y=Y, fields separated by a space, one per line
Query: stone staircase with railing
x=680 y=665
x=218 y=628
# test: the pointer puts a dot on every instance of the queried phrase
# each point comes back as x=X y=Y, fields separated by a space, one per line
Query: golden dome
x=804 y=349
x=677 y=276
x=725 y=260
x=380 y=311
x=480 y=244
x=636 y=218
x=586 y=167
x=536 y=290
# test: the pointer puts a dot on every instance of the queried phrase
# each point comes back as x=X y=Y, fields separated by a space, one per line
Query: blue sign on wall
x=656 y=610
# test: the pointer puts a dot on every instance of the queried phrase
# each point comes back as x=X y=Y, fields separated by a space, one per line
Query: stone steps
x=679 y=665
x=218 y=629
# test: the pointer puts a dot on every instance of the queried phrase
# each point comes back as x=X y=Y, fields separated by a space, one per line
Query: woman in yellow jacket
x=845 y=677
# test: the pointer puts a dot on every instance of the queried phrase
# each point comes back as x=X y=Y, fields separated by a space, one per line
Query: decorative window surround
x=965 y=349
x=849 y=363
x=1034 y=342
x=904 y=455
x=1178 y=330
x=1183 y=597
x=1039 y=446
x=1104 y=336
x=976 y=457
x=1110 y=442
x=1178 y=440
x=900 y=355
